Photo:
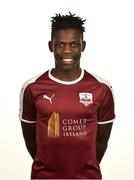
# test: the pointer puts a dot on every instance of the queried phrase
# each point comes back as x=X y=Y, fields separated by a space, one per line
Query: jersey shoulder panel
x=25 y=94
x=104 y=84
x=34 y=79
x=102 y=80
x=106 y=107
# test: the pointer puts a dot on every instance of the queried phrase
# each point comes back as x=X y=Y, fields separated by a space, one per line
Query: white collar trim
x=66 y=82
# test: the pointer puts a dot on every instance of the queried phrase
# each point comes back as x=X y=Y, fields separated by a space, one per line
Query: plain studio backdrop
x=24 y=34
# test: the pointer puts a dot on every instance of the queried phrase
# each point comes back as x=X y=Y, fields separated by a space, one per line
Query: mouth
x=67 y=61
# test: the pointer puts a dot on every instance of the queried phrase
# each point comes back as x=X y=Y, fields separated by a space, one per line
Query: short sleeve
x=106 y=112
x=27 y=111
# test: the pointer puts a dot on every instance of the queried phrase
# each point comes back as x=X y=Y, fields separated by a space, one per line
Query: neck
x=65 y=75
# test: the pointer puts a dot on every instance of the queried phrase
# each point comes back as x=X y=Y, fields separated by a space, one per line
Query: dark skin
x=103 y=134
x=29 y=134
x=67 y=46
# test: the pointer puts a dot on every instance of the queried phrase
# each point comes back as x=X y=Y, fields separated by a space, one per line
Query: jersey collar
x=66 y=82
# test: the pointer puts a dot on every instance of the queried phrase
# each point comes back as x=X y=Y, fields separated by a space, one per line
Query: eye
x=74 y=44
x=59 y=45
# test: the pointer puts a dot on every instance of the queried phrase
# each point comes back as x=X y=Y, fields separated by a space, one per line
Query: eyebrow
x=69 y=42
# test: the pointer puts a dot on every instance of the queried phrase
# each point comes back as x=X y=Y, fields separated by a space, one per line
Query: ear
x=50 y=46
x=83 y=45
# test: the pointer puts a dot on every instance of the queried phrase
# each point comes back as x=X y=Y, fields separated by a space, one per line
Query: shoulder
x=102 y=82
x=30 y=85
x=103 y=86
x=35 y=79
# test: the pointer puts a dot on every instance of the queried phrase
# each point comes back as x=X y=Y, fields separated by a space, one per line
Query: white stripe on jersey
x=22 y=94
x=101 y=80
x=23 y=120
x=106 y=122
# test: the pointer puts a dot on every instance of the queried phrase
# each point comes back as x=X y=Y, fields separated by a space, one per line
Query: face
x=67 y=45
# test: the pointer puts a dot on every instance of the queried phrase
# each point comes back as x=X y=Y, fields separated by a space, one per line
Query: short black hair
x=66 y=22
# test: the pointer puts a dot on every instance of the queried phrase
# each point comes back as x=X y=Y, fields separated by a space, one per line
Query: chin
x=67 y=68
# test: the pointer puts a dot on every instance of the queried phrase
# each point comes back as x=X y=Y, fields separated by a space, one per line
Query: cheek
x=77 y=52
x=58 y=52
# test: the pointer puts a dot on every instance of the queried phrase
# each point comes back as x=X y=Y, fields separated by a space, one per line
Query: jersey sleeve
x=27 y=111
x=106 y=110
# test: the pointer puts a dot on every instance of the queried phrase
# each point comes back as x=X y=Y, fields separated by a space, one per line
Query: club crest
x=86 y=98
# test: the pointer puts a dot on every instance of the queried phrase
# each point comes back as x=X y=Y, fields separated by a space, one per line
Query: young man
x=66 y=113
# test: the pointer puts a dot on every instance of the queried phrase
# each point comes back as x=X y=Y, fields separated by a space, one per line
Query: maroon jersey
x=66 y=116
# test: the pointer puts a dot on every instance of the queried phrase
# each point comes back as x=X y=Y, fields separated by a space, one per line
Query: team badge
x=86 y=98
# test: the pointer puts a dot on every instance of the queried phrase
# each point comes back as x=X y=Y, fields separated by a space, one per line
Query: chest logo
x=49 y=98
x=86 y=98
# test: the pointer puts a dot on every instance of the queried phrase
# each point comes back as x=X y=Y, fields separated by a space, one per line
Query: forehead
x=67 y=34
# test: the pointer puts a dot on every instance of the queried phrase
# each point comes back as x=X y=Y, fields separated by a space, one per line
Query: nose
x=67 y=49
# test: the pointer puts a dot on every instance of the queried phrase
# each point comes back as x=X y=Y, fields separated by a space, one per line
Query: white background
x=24 y=33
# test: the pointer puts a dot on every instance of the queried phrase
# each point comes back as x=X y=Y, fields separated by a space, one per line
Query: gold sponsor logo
x=54 y=125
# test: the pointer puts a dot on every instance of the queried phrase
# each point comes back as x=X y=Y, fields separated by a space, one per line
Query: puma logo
x=49 y=98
